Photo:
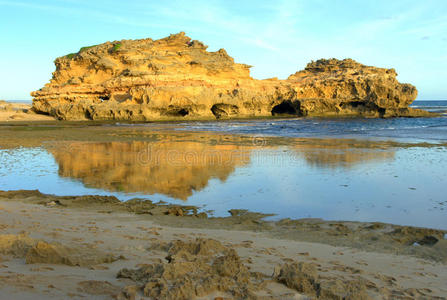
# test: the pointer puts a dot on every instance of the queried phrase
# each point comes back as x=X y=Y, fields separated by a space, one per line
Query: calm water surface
x=397 y=185
x=333 y=178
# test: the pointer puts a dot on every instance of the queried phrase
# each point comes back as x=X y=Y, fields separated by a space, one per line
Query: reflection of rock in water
x=175 y=169
x=335 y=153
x=178 y=167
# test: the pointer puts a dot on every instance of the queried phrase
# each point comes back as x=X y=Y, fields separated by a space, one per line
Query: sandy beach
x=99 y=248
x=13 y=111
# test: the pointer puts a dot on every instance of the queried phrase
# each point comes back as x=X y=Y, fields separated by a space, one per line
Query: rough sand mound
x=35 y=251
x=193 y=269
x=304 y=278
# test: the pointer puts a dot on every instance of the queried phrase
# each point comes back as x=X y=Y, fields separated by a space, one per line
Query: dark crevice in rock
x=88 y=114
x=177 y=112
x=286 y=108
x=428 y=240
x=352 y=104
x=40 y=112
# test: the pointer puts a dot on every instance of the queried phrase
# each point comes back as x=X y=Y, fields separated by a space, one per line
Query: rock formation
x=194 y=269
x=176 y=78
x=304 y=278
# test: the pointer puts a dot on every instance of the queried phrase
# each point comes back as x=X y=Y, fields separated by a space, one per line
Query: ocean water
x=404 y=129
x=21 y=101
x=350 y=169
x=439 y=106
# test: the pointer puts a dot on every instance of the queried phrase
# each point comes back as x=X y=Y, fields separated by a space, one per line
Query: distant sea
x=431 y=105
x=20 y=101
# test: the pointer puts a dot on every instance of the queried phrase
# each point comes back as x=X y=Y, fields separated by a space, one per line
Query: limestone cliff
x=176 y=77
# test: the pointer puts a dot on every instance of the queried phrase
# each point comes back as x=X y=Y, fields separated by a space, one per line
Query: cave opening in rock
x=284 y=108
x=177 y=112
x=352 y=104
x=183 y=112
x=104 y=97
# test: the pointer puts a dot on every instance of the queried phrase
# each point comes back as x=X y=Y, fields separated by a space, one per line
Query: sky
x=277 y=38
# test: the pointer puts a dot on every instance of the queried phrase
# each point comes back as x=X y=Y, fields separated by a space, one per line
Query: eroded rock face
x=176 y=78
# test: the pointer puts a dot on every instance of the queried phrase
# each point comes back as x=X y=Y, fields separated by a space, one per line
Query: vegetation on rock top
x=71 y=55
x=116 y=47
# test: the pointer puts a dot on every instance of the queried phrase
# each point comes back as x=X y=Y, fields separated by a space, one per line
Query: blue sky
x=276 y=37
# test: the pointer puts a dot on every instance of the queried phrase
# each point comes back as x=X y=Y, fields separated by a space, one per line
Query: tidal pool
x=333 y=179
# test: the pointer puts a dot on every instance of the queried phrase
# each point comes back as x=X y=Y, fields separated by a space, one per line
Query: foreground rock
x=176 y=78
x=304 y=278
x=193 y=269
x=205 y=267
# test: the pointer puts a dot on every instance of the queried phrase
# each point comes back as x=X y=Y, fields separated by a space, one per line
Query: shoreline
x=23 y=131
x=139 y=233
x=18 y=112
x=371 y=236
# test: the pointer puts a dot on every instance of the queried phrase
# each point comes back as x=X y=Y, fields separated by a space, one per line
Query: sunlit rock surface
x=177 y=78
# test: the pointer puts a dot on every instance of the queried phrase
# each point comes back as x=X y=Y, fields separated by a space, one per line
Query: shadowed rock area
x=176 y=78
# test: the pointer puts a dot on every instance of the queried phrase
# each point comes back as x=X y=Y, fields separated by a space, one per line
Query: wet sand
x=98 y=247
